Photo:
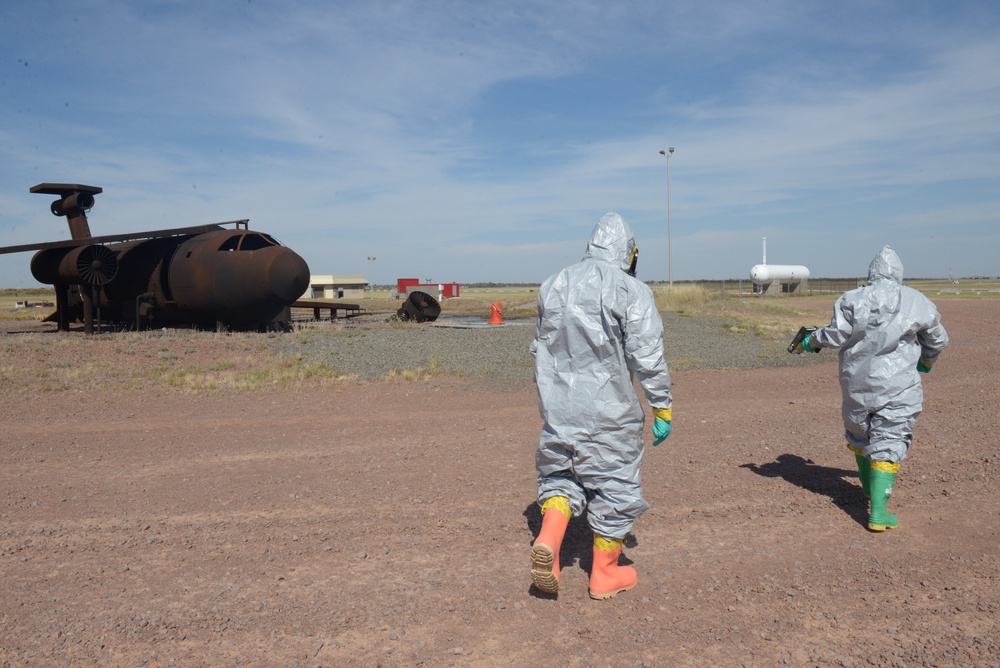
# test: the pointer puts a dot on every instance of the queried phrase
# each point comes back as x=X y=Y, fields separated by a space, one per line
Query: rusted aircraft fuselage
x=209 y=276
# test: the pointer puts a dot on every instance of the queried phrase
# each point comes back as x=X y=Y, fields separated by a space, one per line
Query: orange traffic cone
x=497 y=317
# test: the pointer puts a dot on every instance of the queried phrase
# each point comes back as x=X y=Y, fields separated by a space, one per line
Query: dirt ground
x=388 y=524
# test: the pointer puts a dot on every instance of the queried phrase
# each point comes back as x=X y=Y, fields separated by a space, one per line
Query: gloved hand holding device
x=800 y=343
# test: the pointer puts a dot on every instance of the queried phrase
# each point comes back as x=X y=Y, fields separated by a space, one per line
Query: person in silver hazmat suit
x=887 y=334
x=597 y=329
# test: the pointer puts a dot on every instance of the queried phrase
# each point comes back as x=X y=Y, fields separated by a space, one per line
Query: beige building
x=329 y=286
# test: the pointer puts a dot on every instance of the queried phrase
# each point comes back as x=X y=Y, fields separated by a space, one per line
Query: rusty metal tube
x=72 y=204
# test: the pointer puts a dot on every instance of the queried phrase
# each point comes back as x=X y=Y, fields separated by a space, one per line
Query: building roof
x=334 y=279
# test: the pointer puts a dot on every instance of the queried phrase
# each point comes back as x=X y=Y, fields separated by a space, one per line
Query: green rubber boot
x=865 y=473
x=883 y=474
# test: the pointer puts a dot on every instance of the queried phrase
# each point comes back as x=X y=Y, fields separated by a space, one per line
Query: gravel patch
x=373 y=348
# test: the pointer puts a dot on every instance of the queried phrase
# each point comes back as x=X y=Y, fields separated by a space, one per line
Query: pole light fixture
x=371 y=265
x=670 y=250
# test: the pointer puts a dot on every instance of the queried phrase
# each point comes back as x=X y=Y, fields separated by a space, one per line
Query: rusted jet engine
x=207 y=276
x=420 y=307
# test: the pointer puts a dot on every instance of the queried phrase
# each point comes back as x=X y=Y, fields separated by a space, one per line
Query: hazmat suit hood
x=886 y=265
x=612 y=241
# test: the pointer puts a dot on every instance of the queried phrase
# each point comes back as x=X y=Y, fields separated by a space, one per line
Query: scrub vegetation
x=10 y=298
x=683 y=299
x=207 y=362
x=970 y=288
x=432 y=369
x=737 y=314
x=197 y=362
x=762 y=315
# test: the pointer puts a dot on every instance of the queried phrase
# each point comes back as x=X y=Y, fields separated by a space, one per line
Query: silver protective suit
x=597 y=328
x=882 y=331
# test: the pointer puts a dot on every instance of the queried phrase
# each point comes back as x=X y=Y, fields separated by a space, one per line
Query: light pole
x=670 y=249
x=371 y=266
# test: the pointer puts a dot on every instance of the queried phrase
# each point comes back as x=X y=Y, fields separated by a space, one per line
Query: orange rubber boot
x=545 y=549
x=607 y=578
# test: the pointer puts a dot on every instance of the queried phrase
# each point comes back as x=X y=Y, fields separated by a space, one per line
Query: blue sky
x=469 y=142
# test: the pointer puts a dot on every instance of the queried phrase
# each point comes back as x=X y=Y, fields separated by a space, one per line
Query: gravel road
x=388 y=523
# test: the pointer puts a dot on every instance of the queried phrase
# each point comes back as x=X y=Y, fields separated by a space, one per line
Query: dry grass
x=184 y=360
x=281 y=374
x=964 y=289
x=422 y=374
x=204 y=362
x=178 y=360
x=682 y=299
x=10 y=297
x=738 y=314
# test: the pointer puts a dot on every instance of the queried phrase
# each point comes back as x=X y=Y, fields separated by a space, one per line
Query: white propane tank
x=765 y=274
x=762 y=274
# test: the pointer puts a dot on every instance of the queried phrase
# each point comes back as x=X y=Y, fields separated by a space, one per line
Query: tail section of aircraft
x=74 y=202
